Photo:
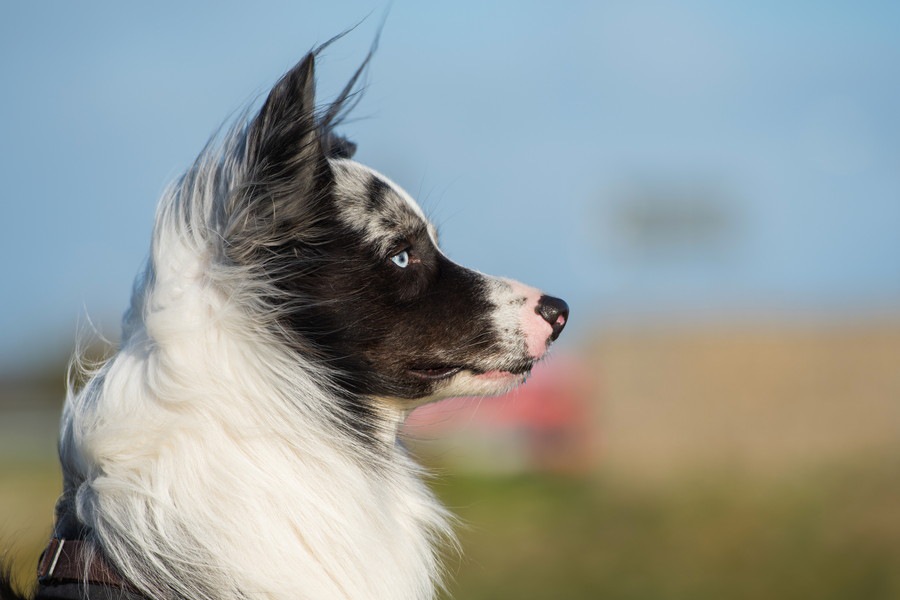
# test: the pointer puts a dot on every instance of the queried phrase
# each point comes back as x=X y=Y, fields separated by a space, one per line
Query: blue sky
x=522 y=127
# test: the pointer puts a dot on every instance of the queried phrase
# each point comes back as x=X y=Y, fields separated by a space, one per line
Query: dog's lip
x=438 y=372
x=435 y=373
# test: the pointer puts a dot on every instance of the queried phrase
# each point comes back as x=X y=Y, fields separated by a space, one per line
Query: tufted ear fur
x=287 y=172
x=284 y=144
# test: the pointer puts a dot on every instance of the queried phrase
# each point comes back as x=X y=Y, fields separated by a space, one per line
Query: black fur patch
x=336 y=146
x=375 y=193
x=342 y=302
x=374 y=321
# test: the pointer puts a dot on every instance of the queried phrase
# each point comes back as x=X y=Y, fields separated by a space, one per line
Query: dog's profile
x=243 y=440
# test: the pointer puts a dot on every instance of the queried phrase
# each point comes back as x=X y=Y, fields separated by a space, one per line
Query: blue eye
x=401 y=259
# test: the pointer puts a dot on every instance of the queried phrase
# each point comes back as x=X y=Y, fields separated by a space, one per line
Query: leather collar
x=77 y=561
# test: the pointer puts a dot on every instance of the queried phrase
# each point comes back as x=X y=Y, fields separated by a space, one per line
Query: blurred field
x=764 y=399
x=733 y=462
x=27 y=496
x=829 y=534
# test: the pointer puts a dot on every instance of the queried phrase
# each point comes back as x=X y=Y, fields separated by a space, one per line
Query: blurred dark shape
x=660 y=219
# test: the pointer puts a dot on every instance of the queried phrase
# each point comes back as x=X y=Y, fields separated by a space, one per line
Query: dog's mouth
x=435 y=373
x=440 y=372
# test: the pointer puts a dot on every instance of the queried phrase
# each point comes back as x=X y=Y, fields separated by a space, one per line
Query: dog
x=243 y=440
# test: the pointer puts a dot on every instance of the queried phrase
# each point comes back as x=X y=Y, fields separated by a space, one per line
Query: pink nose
x=555 y=311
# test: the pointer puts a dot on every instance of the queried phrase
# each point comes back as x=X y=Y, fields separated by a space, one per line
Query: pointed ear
x=287 y=171
x=283 y=145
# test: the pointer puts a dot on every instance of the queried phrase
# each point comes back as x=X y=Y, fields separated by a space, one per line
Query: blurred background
x=714 y=187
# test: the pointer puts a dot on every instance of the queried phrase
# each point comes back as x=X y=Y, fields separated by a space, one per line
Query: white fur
x=211 y=462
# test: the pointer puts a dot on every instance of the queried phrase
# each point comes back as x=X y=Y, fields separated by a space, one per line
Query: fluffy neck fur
x=210 y=461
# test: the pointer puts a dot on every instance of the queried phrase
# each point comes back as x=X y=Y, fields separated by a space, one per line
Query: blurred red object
x=548 y=423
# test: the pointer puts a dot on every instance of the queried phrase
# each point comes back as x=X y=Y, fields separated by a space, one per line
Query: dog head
x=361 y=282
